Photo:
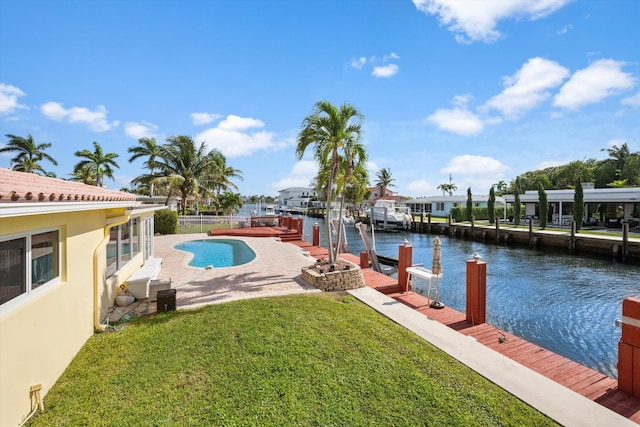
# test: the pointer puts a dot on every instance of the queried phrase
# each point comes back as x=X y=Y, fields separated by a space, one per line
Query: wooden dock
x=583 y=380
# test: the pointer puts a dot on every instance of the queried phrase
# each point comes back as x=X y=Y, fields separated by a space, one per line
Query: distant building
x=375 y=193
x=605 y=206
x=440 y=206
x=295 y=198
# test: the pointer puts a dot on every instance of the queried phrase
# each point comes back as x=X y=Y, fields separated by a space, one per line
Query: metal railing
x=204 y=223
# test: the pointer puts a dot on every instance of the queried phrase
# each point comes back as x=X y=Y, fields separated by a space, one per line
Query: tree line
x=180 y=167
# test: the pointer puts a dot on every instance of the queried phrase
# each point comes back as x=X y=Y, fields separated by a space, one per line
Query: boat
x=347 y=218
x=387 y=214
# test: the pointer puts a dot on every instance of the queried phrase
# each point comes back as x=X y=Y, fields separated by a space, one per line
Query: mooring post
x=450 y=220
x=429 y=223
x=572 y=240
x=364 y=259
x=476 y=291
x=315 y=239
x=625 y=241
x=405 y=254
x=497 y=230
x=531 y=231
x=629 y=348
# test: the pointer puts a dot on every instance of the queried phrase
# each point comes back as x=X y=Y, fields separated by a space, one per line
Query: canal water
x=564 y=303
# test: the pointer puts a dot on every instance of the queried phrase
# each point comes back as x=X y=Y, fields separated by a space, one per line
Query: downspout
x=96 y=313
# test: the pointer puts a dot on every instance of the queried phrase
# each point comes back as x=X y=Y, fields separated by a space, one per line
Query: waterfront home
x=65 y=249
x=607 y=207
x=295 y=199
x=440 y=206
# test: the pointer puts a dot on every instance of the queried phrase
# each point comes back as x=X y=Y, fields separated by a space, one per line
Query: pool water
x=217 y=252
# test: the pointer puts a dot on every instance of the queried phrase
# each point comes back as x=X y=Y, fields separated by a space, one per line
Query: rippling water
x=567 y=304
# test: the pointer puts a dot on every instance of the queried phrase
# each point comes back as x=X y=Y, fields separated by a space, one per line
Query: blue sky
x=481 y=90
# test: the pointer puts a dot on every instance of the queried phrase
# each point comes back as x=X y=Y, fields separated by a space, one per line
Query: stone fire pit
x=345 y=276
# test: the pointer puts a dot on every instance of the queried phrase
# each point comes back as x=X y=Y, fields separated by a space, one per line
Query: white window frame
x=140 y=232
x=30 y=292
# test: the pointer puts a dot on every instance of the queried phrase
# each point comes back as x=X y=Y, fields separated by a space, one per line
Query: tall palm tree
x=333 y=132
x=223 y=175
x=384 y=180
x=147 y=148
x=28 y=153
x=98 y=163
x=186 y=168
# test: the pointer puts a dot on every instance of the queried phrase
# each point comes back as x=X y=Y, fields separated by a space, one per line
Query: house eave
x=23 y=209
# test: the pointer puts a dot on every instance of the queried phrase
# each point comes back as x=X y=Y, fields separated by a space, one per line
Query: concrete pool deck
x=275 y=271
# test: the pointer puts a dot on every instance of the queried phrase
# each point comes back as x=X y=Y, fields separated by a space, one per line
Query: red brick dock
x=579 y=378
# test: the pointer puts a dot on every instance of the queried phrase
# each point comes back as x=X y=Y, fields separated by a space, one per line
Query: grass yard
x=306 y=360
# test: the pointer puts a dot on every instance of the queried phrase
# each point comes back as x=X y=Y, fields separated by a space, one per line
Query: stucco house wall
x=42 y=330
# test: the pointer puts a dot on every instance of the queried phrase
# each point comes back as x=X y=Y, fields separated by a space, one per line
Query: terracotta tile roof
x=22 y=187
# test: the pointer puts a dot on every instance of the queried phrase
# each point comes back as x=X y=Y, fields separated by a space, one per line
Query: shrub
x=166 y=222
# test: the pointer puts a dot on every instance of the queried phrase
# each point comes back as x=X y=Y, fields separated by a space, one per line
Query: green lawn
x=310 y=360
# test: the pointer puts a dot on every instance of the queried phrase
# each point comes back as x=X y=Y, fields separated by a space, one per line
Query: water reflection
x=564 y=303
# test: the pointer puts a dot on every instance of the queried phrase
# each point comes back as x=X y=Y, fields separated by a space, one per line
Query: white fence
x=204 y=223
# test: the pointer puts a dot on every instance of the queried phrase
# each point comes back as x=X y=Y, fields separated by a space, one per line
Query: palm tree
x=186 y=168
x=618 y=155
x=450 y=187
x=147 y=148
x=334 y=134
x=501 y=187
x=28 y=153
x=97 y=163
x=223 y=175
x=384 y=180
x=230 y=202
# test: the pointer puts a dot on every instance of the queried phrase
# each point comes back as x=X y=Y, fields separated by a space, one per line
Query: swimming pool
x=217 y=252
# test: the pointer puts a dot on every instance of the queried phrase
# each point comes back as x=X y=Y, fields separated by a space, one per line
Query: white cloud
x=390 y=56
x=457 y=120
x=358 y=62
x=420 y=186
x=599 y=80
x=528 y=87
x=385 y=70
x=9 y=98
x=232 y=138
x=477 y=172
x=301 y=175
x=477 y=20
x=140 y=130
x=240 y=123
x=632 y=101
x=565 y=29
x=477 y=165
x=204 y=118
x=96 y=120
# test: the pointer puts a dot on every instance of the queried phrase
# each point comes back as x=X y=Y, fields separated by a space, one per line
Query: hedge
x=165 y=221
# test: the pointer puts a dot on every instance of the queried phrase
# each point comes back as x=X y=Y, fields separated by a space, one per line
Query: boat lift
x=370 y=248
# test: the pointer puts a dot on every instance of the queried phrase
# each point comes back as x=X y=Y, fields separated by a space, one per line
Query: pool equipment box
x=166 y=300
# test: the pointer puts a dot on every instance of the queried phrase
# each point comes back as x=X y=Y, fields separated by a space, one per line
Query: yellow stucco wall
x=40 y=336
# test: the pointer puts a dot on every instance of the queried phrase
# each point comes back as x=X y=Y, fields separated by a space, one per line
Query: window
x=440 y=207
x=123 y=245
x=427 y=208
x=28 y=262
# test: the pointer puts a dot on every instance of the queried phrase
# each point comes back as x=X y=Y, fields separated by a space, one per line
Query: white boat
x=387 y=214
x=347 y=218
